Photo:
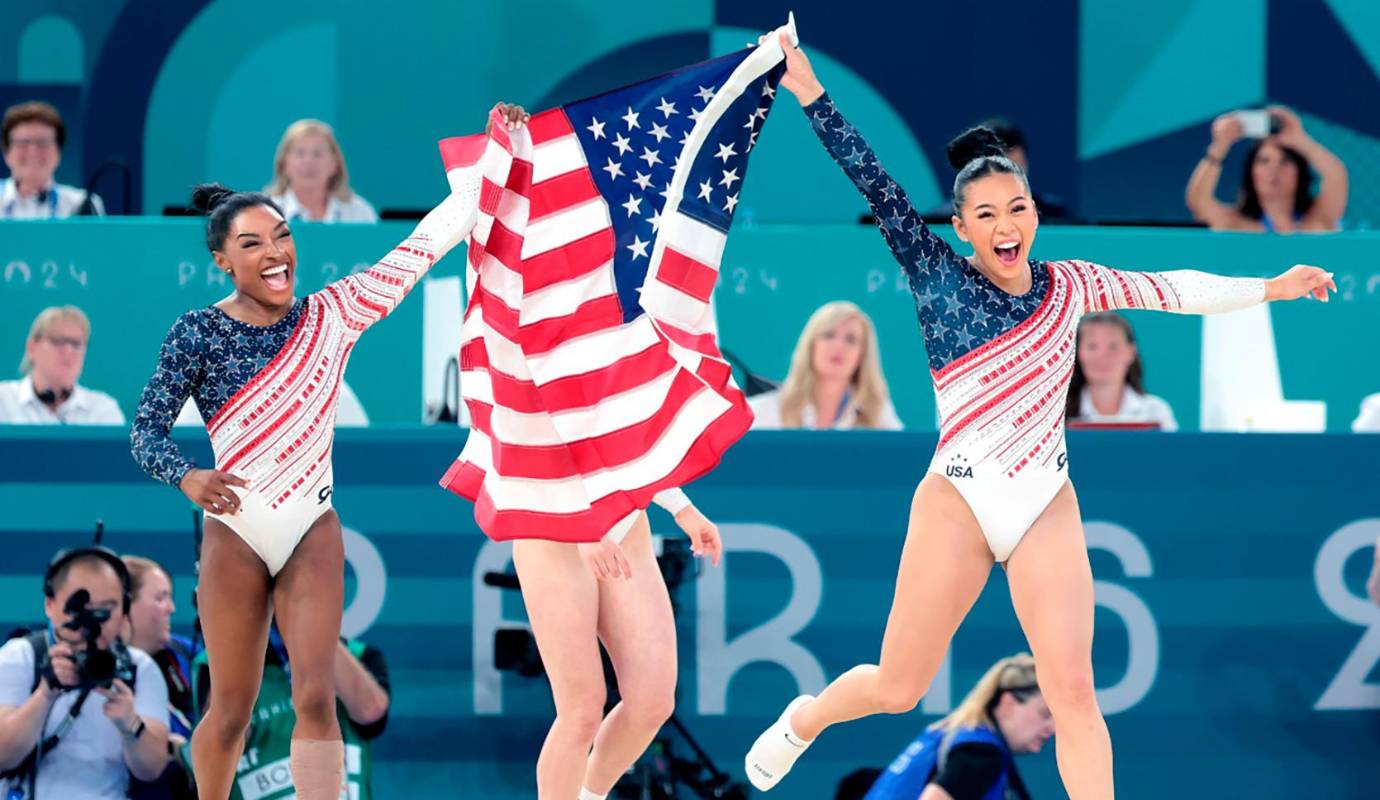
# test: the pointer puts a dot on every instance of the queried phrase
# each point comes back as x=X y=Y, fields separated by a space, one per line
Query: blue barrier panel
x=1235 y=655
x=135 y=276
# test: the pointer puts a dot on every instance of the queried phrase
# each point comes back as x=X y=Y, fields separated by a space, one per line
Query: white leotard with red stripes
x=1001 y=363
x=277 y=427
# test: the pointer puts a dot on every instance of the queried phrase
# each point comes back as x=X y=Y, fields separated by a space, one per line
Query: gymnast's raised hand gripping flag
x=589 y=358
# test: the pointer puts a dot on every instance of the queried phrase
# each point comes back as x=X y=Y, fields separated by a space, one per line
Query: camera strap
x=50 y=741
x=28 y=768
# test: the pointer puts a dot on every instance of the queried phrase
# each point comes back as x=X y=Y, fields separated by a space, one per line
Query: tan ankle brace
x=318 y=768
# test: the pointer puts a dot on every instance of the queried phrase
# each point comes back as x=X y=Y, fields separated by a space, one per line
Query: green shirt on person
x=263 y=773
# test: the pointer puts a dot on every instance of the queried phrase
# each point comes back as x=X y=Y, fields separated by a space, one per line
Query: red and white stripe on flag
x=579 y=418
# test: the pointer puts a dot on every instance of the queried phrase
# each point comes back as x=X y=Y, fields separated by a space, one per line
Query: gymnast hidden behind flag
x=593 y=375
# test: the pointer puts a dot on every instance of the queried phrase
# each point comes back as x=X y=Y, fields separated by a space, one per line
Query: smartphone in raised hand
x=1257 y=123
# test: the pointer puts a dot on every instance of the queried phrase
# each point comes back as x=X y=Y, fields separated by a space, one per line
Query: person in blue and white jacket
x=969 y=755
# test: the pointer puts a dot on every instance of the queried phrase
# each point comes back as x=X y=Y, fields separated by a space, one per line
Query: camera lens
x=99 y=668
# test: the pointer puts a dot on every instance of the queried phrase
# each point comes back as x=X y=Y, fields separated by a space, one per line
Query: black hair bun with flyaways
x=973 y=144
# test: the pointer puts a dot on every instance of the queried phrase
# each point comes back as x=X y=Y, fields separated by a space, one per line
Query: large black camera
x=96 y=667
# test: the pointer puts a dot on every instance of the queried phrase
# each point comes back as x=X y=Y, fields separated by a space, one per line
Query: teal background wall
x=1115 y=97
x=1235 y=653
x=135 y=277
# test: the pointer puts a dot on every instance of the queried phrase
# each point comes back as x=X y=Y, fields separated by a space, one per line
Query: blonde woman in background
x=835 y=377
x=310 y=181
x=50 y=392
x=969 y=755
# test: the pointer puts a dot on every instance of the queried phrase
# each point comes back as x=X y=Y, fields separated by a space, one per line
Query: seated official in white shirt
x=310 y=181
x=34 y=134
x=836 y=379
x=49 y=394
x=1108 y=379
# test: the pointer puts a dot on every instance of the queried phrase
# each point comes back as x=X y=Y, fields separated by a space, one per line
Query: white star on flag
x=597 y=290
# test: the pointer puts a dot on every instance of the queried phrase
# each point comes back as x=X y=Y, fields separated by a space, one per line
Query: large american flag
x=589 y=357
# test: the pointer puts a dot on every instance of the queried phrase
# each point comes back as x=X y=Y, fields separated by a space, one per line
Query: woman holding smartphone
x=1277 y=183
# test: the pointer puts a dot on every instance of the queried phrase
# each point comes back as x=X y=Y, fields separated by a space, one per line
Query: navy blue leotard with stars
x=1001 y=363
x=209 y=356
x=269 y=393
x=959 y=308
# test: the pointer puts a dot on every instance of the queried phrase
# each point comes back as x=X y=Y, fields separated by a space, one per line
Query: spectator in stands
x=969 y=755
x=1049 y=207
x=53 y=359
x=310 y=181
x=835 y=380
x=93 y=735
x=362 y=703
x=1108 y=380
x=1368 y=421
x=34 y=134
x=150 y=629
x=1277 y=182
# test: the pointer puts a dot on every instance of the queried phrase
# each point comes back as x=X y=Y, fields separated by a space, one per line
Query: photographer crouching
x=79 y=710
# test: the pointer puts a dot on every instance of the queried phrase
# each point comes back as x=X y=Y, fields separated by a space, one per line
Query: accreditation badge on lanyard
x=9 y=214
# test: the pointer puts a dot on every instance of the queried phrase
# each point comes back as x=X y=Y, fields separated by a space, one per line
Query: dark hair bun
x=973 y=144
x=207 y=196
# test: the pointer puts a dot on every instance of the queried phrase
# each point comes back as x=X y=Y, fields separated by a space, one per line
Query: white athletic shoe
x=775 y=751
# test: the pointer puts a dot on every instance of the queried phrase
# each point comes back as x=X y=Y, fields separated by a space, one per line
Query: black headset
x=54 y=397
x=65 y=557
